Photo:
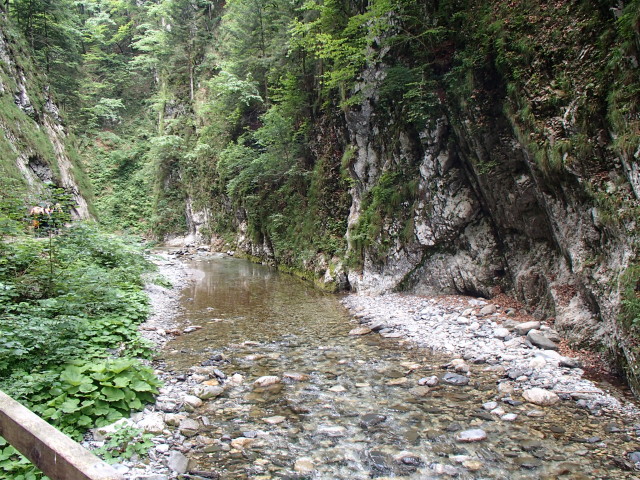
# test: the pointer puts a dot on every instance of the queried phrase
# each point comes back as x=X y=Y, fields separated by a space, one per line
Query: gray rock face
x=486 y=214
x=540 y=341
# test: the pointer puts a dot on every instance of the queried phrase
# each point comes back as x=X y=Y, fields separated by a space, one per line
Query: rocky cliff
x=518 y=185
x=35 y=147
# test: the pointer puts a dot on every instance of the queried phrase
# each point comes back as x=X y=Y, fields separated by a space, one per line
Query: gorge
x=446 y=147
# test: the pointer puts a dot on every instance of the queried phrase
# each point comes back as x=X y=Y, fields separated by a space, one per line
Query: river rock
x=537 y=362
x=524 y=328
x=407 y=458
x=528 y=462
x=189 y=427
x=540 y=396
x=331 y=430
x=540 y=341
x=266 y=381
x=394 y=382
x=635 y=457
x=102 y=433
x=488 y=310
x=295 y=376
x=473 y=435
x=551 y=334
x=165 y=406
x=236 y=379
x=569 y=362
x=473 y=465
x=241 y=443
x=177 y=462
x=360 y=331
x=152 y=423
x=192 y=401
x=304 y=466
x=455 y=379
x=431 y=381
x=501 y=332
x=274 y=420
x=380 y=461
x=338 y=389
x=192 y=328
x=206 y=392
x=174 y=419
x=421 y=391
x=371 y=419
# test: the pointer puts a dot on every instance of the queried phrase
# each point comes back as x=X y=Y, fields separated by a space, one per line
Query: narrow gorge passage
x=334 y=406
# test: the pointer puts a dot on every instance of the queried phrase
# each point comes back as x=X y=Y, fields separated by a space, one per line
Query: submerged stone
x=473 y=435
x=455 y=379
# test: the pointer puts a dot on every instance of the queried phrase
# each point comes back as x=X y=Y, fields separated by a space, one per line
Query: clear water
x=371 y=425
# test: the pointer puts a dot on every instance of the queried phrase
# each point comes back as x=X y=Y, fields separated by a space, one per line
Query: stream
x=330 y=405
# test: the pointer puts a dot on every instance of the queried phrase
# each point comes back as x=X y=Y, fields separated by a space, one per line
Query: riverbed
x=271 y=378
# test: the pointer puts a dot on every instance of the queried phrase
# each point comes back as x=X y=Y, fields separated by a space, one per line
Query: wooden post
x=58 y=456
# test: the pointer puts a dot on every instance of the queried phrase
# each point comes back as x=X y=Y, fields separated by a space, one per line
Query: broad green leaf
x=111 y=394
x=84 y=421
x=73 y=376
x=121 y=381
x=141 y=386
x=70 y=405
x=87 y=387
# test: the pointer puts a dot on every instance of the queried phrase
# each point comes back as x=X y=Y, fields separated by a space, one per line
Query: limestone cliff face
x=33 y=140
x=487 y=215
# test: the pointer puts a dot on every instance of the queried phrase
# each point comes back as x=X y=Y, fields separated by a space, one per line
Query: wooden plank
x=58 y=456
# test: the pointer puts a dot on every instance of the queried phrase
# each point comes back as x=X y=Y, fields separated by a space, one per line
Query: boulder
x=177 y=462
x=189 y=427
x=206 y=392
x=152 y=423
x=455 y=379
x=539 y=340
x=524 y=328
x=540 y=396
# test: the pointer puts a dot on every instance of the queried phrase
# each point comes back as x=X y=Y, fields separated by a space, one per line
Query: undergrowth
x=71 y=298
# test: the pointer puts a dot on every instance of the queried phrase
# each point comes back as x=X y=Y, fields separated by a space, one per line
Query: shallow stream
x=350 y=407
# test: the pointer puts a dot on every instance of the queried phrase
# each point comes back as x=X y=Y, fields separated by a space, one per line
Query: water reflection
x=351 y=407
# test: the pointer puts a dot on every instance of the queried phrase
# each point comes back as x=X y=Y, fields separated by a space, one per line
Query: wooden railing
x=59 y=457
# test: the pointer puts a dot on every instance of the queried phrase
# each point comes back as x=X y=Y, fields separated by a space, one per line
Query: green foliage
x=91 y=305
x=124 y=443
x=631 y=298
x=83 y=316
x=51 y=28
x=407 y=93
x=12 y=209
x=121 y=172
x=388 y=201
x=84 y=394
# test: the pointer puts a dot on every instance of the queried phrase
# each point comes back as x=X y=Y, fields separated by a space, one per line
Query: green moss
x=390 y=200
